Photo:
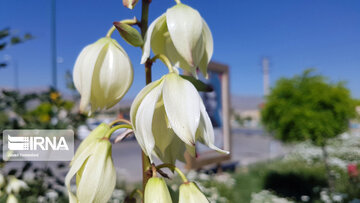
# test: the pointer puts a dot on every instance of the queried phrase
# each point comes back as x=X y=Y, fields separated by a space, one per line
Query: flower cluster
x=168 y=116
x=11 y=186
x=343 y=150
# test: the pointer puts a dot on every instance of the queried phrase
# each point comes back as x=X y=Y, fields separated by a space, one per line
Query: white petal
x=158 y=36
x=98 y=133
x=176 y=58
x=168 y=147
x=98 y=178
x=144 y=120
x=205 y=132
x=185 y=28
x=148 y=39
x=209 y=48
x=83 y=71
x=182 y=105
x=163 y=134
x=138 y=99
x=113 y=76
x=76 y=165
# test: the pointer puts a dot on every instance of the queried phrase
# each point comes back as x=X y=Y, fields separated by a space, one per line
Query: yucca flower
x=189 y=192
x=94 y=169
x=11 y=199
x=14 y=185
x=156 y=191
x=183 y=36
x=96 y=134
x=102 y=74
x=168 y=116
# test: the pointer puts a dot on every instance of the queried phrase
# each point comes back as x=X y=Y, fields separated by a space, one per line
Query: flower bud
x=95 y=173
x=129 y=34
x=183 y=36
x=102 y=74
x=156 y=191
x=130 y=3
x=15 y=185
x=190 y=193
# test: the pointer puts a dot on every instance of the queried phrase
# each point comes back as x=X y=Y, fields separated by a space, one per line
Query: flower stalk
x=120 y=120
x=174 y=168
x=165 y=60
x=112 y=130
x=143 y=27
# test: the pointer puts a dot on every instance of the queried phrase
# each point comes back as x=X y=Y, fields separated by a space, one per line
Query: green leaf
x=15 y=40
x=199 y=85
x=4 y=33
x=2 y=46
x=28 y=36
x=129 y=34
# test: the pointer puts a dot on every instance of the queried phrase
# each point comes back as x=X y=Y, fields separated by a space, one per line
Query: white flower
x=102 y=74
x=94 y=170
x=156 y=191
x=11 y=199
x=15 y=185
x=183 y=36
x=168 y=116
x=190 y=193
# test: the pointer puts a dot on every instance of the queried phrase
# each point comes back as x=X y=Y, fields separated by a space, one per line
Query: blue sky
x=294 y=35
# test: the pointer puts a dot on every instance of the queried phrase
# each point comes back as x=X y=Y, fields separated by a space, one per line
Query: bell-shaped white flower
x=156 y=191
x=168 y=116
x=11 y=199
x=183 y=36
x=102 y=74
x=98 y=133
x=189 y=192
x=94 y=169
x=15 y=185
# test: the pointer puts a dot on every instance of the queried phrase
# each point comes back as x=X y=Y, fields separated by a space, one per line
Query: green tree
x=308 y=107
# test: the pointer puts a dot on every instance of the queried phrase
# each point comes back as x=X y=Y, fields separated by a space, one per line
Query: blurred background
x=294 y=71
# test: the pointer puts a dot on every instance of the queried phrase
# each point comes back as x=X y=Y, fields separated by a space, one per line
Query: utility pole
x=266 y=83
x=53 y=44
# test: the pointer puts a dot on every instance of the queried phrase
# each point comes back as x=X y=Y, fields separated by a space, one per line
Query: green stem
x=143 y=27
x=144 y=16
x=118 y=121
x=165 y=60
x=111 y=30
x=172 y=167
x=178 y=1
x=112 y=130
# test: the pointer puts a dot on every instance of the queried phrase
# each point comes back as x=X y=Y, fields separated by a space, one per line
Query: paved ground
x=249 y=146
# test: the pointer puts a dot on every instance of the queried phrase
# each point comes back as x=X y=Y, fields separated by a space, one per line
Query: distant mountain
x=238 y=102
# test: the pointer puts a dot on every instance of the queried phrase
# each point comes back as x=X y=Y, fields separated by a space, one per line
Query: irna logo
x=37 y=143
